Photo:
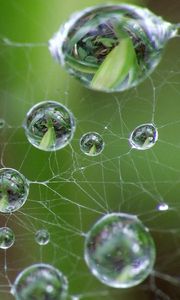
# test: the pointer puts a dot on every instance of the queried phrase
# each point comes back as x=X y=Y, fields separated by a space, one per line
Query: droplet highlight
x=163 y=207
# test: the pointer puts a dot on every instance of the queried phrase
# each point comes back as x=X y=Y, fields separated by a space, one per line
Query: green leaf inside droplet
x=93 y=150
x=116 y=66
x=4 y=201
x=49 y=139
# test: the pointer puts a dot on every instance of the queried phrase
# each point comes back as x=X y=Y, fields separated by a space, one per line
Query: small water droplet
x=143 y=137
x=40 y=281
x=163 y=206
x=42 y=237
x=91 y=144
x=49 y=126
x=7 y=237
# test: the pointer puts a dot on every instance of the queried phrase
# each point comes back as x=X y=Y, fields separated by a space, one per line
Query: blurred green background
x=79 y=189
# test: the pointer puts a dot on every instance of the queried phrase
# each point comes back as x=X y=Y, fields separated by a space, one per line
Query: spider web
x=70 y=191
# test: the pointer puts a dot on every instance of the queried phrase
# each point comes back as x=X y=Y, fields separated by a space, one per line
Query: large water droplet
x=40 y=282
x=111 y=47
x=119 y=250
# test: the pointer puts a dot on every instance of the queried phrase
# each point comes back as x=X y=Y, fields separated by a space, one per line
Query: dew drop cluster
x=108 y=48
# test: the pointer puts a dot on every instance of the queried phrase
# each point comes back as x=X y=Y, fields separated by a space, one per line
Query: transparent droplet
x=2 y=123
x=91 y=143
x=144 y=137
x=14 y=190
x=7 y=237
x=119 y=250
x=39 y=282
x=111 y=47
x=49 y=126
x=42 y=237
x=163 y=206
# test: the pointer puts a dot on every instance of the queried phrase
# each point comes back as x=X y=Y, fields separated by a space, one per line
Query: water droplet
x=7 y=237
x=91 y=144
x=42 y=237
x=49 y=126
x=144 y=137
x=163 y=206
x=119 y=250
x=2 y=123
x=111 y=47
x=14 y=190
x=40 y=281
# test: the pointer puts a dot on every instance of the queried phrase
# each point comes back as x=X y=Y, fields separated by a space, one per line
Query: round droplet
x=42 y=237
x=163 y=206
x=111 y=47
x=2 y=123
x=144 y=137
x=7 y=237
x=14 y=190
x=91 y=143
x=40 y=282
x=119 y=250
x=49 y=126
